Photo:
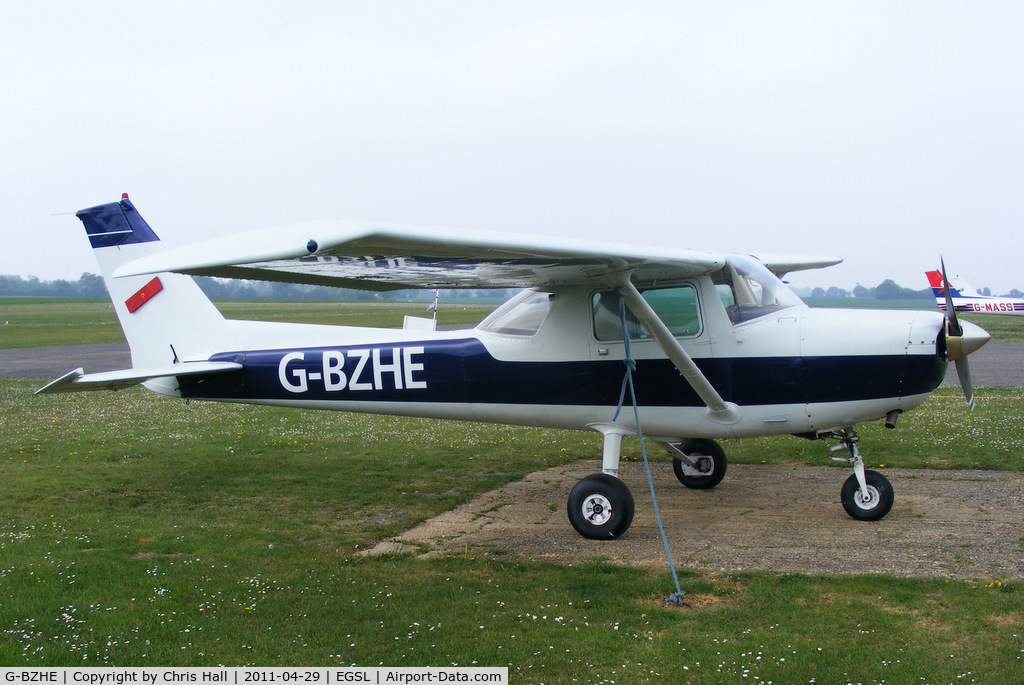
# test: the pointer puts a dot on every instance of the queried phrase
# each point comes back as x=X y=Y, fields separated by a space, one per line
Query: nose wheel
x=871 y=503
x=866 y=495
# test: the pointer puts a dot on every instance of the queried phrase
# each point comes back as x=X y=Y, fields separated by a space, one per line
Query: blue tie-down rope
x=627 y=381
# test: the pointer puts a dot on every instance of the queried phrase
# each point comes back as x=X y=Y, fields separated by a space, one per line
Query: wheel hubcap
x=597 y=509
x=868 y=501
x=705 y=466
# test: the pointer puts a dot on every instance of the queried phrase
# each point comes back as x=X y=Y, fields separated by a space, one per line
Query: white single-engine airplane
x=967 y=299
x=720 y=346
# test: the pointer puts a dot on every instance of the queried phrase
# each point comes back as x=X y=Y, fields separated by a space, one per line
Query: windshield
x=749 y=290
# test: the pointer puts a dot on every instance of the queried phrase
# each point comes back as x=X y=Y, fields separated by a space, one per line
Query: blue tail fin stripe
x=115 y=223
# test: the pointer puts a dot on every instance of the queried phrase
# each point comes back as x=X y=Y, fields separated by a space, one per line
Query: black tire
x=711 y=463
x=600 y=507
x=881 y=500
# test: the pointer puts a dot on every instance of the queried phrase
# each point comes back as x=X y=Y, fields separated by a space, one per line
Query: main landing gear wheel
x=600 y=507
x=871 y=506
x=710 y=468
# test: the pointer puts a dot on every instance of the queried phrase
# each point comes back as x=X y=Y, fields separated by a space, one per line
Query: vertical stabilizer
x=938 y=286
x=166 y=317
x=964 y=288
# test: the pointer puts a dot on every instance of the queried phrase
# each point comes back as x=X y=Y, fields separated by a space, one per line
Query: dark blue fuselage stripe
x=463 y=372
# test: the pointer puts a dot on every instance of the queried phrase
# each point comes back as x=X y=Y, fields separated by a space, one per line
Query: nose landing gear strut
x=866 y=495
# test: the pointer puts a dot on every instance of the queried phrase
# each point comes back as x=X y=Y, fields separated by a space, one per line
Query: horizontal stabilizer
x=77 y=380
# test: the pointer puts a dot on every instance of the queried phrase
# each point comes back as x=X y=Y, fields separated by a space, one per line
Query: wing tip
x=63 y=383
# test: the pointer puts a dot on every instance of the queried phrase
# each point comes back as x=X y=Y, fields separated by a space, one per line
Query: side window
x=522 y=315
x=608 y=323
x=724 y=291
x=676 y=307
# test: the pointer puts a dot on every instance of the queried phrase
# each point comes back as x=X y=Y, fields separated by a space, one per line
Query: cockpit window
x=522 y=315
x=676 y=307
x=749 y=290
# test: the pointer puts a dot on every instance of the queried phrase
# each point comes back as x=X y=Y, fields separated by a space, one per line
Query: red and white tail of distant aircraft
x=967 y=299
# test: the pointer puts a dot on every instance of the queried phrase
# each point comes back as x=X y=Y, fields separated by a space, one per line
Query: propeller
x=961 y=340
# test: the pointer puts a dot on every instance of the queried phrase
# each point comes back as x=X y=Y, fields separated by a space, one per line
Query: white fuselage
x=795 y=370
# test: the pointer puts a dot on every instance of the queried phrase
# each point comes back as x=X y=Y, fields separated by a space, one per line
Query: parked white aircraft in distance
x=967 y=299
x=719 y=347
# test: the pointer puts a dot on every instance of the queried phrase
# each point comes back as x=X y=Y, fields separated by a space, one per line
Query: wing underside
x=387 y=257
x=372 y=256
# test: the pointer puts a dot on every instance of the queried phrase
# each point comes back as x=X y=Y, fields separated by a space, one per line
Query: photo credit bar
x=340 y=675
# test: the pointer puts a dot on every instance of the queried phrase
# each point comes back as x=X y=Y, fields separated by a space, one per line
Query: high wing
x=116 y=380
x=372 y=256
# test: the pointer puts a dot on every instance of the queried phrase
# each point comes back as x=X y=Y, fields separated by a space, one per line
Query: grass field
x=390 y=314
x=34 y=322
x=39 y=321
x=139 y=530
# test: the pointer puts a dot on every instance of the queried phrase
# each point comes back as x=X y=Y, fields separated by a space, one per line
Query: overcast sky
x=884 y=132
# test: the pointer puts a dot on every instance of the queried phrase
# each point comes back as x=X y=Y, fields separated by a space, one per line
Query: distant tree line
x=91 y=285
x=233 y=289
x=886 y=290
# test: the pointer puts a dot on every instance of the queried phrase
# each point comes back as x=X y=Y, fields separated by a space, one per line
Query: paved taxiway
x=783 y=518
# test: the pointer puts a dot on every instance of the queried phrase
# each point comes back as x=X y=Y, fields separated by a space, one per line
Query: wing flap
x=78 y=380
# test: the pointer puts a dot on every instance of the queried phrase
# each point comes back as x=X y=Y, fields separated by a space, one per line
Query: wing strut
x=718 y=409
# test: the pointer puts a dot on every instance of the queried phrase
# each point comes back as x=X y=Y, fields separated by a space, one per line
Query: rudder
x=166 y=317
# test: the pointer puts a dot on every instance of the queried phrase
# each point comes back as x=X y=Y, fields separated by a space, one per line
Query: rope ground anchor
x=676 y=597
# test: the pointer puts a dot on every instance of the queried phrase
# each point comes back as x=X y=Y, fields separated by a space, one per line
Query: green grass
x=35 y=322
x=138 y=530
x=386 y=314
x=999 y=327
x=941 y=434
x=40 y=321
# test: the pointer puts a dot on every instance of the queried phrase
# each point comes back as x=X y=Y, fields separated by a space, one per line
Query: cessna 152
x=967 y=299
x=720 y=346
